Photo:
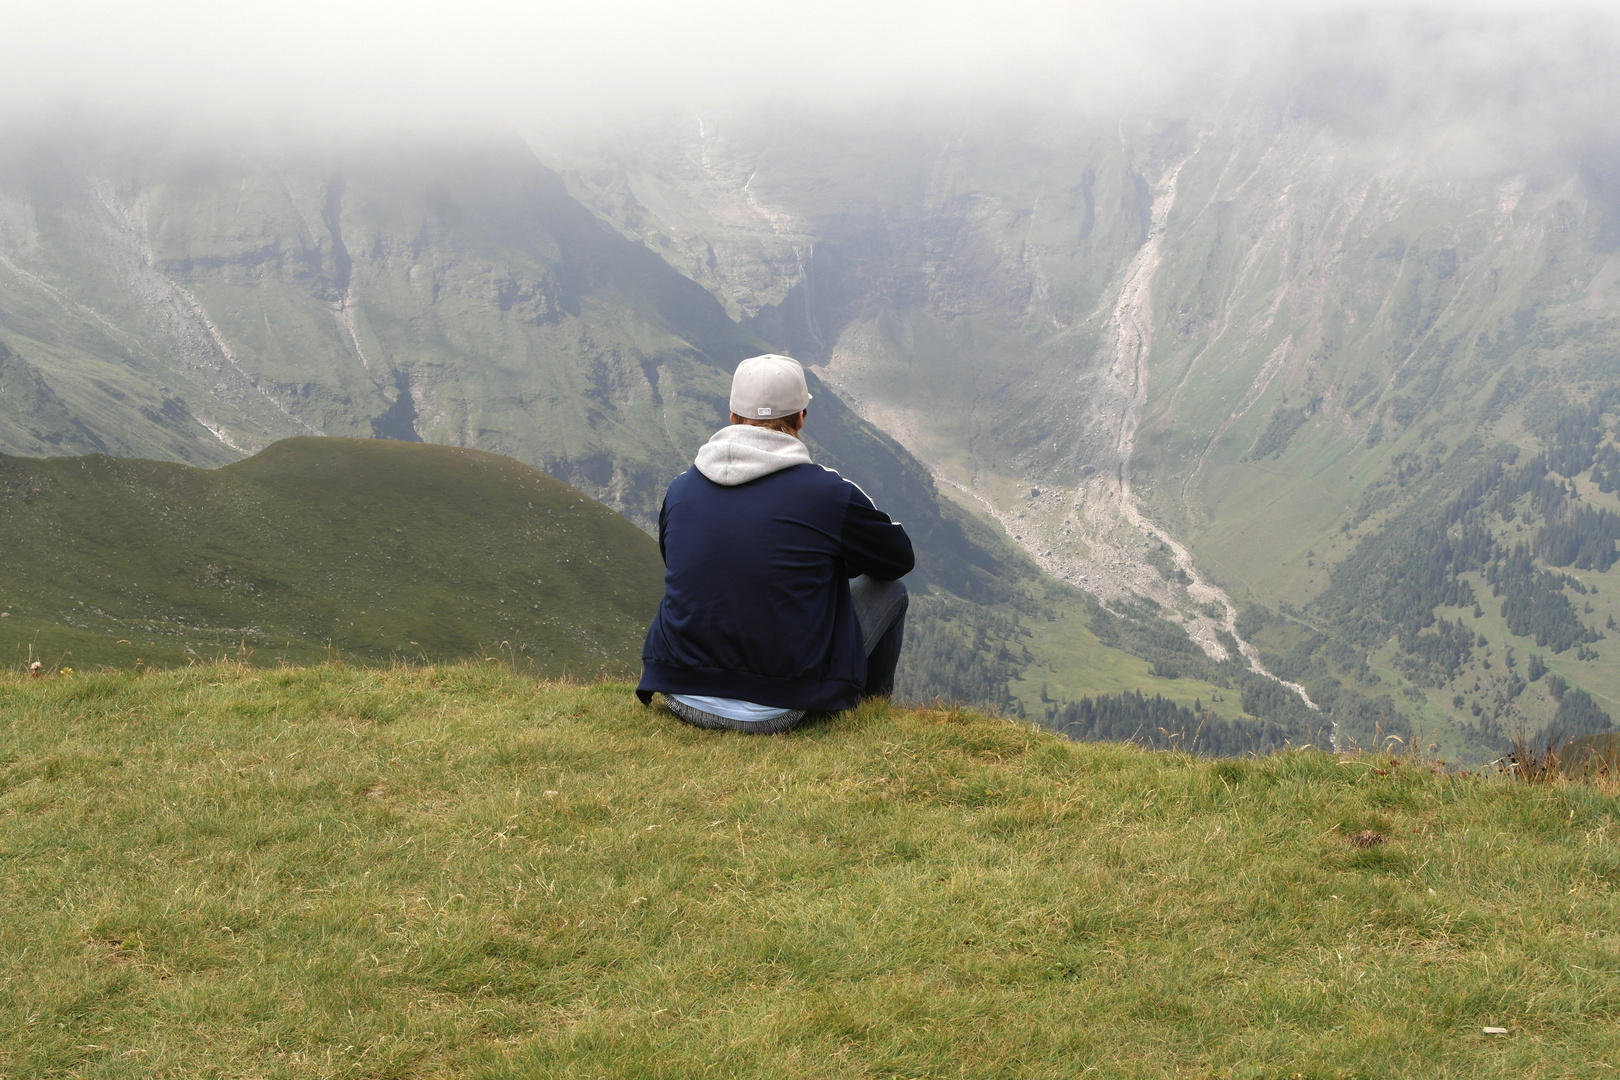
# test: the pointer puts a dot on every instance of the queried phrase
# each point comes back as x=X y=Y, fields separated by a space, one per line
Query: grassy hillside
x=371 y=548
x=459 y=871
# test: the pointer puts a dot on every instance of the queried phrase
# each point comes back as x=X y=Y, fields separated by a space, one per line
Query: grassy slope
x=373 y=548
x=463 y=872
x=1069 y=662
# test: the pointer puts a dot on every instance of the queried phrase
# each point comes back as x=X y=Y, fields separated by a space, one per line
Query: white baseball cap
x=769 y=386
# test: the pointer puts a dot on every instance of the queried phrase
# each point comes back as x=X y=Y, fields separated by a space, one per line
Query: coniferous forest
x=1511 y=522
x=1508 y=522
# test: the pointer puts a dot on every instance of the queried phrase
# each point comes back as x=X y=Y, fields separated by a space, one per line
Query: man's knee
x=880 y=594
x=879 y=605
x=893 y=599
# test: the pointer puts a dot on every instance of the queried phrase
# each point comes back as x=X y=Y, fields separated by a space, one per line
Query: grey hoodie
x=742 y=452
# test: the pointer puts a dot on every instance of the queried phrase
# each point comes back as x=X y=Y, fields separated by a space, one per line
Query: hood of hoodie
x=741 y=452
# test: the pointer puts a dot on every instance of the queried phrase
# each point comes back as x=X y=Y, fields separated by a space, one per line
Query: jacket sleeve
x=871 y=543
x=663 y=520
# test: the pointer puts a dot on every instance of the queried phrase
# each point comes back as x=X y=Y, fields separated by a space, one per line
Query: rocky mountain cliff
x=196 y=300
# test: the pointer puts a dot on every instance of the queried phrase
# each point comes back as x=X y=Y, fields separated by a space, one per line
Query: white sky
x=497 y=60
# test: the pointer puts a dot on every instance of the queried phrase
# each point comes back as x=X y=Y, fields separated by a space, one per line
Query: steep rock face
x=690 y=194
x=455 y=294
x=33 y=415
x=196 y=301
x=1277 y=284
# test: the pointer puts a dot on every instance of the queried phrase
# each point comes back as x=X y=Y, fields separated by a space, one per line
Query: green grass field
x=371 y=549
x=460 y=871
x=1071 y=663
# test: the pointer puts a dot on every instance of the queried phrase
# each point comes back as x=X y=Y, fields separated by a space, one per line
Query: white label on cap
x=765 y=412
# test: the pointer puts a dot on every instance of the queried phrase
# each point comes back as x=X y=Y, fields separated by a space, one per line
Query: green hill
x=368 y=548
x=462 y=872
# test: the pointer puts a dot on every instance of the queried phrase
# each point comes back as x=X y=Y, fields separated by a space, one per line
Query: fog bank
x=490 y=63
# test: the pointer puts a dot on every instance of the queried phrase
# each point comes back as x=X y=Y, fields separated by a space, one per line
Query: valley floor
x=462 y=871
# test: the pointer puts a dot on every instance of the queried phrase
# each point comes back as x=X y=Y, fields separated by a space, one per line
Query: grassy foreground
x=221 y=871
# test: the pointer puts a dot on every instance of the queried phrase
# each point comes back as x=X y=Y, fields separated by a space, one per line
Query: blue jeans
x=880 y=608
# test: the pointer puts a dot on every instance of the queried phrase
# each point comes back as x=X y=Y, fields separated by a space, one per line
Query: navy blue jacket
x=756 y=589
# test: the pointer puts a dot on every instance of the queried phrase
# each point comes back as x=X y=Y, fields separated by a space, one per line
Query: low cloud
x=360 y=64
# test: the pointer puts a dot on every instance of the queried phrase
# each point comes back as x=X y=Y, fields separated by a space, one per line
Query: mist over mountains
x=1290 y=354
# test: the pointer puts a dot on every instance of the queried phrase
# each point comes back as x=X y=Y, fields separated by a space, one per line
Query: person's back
x=758 y=623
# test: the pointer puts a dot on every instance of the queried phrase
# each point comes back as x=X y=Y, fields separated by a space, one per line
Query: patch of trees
x=1534 y=604
x=1579 y=536
x=1431 y=657
x=1534 y=479
x=1284 y=422
x=1572 y=433
x=1162 y=724
x=1577 y=715
x=960 y=652
x=1138 y=629
x=1267 y=698
x=1606 y=468
x=1297 y=663
x=1360 y=720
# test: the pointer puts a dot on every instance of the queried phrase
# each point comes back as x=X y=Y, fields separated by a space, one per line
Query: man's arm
x=872 y=544
x=663 y=518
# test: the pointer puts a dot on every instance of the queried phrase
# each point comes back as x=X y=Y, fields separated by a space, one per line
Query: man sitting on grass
x=761 y=622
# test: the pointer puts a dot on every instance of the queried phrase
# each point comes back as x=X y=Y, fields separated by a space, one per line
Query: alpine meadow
x=1246 y=378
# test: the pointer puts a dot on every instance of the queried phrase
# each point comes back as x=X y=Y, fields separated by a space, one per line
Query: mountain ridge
x=195 y=299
